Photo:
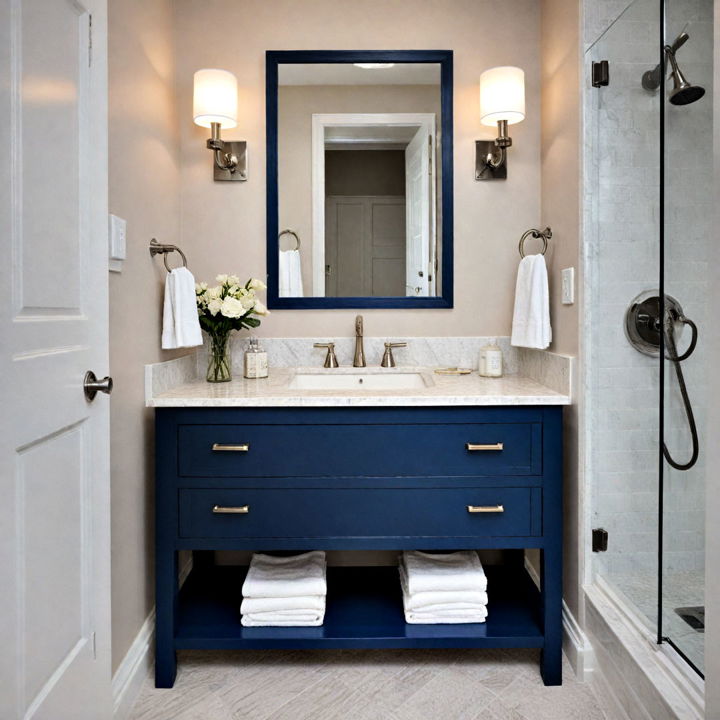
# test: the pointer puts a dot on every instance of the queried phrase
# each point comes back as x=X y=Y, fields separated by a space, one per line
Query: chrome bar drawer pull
x=485 y=509
x=237 y=510
x=218 y=447
x=474 y=446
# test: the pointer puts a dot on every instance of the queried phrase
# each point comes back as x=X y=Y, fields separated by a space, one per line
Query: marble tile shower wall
x=688 y=236
x=622 y=220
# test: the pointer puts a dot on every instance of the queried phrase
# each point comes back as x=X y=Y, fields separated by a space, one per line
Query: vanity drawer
x=356 y=512
x=411 y=450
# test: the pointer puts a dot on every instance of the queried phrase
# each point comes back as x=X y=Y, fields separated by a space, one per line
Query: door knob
x=92 y=386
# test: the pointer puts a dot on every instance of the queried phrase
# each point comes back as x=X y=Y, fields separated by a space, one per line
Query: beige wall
x=144 y=189
x=296 y=105
x=223 y=224
x=561 y=62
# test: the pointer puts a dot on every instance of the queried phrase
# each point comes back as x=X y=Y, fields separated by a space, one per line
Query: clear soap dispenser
x=256 y=360
x=491 y=361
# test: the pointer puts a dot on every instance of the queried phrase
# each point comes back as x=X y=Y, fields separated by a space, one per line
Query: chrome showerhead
x=683 y=92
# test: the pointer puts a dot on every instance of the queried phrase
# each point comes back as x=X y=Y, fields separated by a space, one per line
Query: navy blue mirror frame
x=444 y=58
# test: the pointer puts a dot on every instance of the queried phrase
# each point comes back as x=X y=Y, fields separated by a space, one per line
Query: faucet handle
x=330 y=359
x=387 y=359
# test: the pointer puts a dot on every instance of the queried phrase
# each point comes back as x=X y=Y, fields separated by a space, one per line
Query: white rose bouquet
x=228 y=306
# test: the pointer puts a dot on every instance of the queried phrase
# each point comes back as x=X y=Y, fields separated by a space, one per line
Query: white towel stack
x=448 y=588
x=285 y=591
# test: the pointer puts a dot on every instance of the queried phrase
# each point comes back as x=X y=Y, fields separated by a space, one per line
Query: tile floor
x=366 y=685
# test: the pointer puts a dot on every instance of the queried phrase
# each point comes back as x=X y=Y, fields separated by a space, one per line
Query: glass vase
x=219 y=360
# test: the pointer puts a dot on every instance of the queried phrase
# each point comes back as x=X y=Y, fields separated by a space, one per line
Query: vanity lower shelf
x=364 y=610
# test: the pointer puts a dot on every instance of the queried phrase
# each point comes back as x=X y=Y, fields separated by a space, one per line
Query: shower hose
x=676 y=361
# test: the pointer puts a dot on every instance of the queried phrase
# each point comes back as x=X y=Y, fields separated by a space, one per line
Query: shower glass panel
x=624 y=191
x=688 y=212
x=649 y=181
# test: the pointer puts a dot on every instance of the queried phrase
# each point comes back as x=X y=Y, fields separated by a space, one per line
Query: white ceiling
x=348 y=74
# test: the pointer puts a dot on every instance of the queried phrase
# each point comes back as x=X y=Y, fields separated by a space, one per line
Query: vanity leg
x=166 y=591
x=551 y=656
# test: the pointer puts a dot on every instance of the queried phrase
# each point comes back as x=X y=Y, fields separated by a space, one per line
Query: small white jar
x=490 y=363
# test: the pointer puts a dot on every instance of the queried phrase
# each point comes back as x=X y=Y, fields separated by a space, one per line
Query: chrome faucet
x=359 y=359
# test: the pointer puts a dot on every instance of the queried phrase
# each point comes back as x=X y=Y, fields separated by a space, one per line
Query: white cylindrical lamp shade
x=215 y=98
x=502 y=95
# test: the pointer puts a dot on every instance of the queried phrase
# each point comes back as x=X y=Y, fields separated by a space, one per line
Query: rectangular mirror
x=359 y=186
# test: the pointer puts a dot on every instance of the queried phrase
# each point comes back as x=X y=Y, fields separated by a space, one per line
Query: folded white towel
x=290 y=274
x=437 y=600
x=284 y=577
x=313 y=619
x=531 y=317
x=413 y=618
x=181 y=326
x=445 y=617
x=455 y=571
x=302 y=603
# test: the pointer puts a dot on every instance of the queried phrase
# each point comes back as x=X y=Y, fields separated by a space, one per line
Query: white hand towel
x=455 y=571
x=276 y=620
x=445 y=617
x=290 y=274
x=304 y=603
x=412 y=618
x=298 y=575
x=441 y=599
x=181 y=326
x=531 y=317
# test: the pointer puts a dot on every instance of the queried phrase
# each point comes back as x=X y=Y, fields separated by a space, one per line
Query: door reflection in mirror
x=358 y=175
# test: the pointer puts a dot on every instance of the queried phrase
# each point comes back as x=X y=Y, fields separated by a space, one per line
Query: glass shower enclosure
x=649 y=185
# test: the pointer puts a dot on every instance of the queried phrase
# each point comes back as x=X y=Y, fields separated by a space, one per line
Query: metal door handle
x=474 y=446
x=92 y=386
x=217 y=447
x=485 y=509
x=237 y=510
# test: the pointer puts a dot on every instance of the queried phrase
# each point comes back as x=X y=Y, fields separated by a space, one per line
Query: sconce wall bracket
x=484 y=171
x=231 y=148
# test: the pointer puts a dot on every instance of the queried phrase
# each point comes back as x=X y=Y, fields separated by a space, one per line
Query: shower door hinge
x=599 y=540
x=601 y=73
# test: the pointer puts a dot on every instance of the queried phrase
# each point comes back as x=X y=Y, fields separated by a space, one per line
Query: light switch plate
x=568 y=286
x=117 y=240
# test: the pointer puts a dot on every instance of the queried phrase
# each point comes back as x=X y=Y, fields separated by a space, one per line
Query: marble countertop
x=441 y=390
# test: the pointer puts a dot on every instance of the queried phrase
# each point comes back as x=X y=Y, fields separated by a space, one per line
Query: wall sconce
x=502 y=101
x=215 y=107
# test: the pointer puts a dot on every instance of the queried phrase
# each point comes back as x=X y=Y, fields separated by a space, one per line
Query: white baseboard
x=138 y=661
x=576 y=645
x=134 y=668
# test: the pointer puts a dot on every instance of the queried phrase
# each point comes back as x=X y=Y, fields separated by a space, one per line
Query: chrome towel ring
x=294 y=234
x=545 y=234
x=157 y=248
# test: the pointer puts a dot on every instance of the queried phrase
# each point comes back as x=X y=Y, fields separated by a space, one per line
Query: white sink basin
x=333 y=379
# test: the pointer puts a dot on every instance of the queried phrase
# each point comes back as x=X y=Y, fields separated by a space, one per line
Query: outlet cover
x=568 y=286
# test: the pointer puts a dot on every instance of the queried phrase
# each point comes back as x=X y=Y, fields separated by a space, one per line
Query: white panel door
x=54 y=450
x=419 y=208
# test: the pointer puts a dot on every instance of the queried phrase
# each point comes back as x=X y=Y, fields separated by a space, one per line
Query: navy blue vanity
x=363 y=478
